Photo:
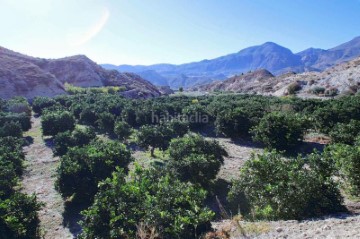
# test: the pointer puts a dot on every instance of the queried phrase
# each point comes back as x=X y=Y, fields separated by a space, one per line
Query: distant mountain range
x=343 y=79
x=26 y=76
x=269 y=56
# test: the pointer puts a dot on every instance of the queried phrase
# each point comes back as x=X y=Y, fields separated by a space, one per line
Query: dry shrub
x=217 y=235
x=145 y=231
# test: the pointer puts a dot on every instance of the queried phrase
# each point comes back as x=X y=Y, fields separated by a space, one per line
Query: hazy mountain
x=343 y=78
x=22 y=75
x=270 y=56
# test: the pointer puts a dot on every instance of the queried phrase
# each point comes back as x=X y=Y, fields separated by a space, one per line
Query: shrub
x=176 y=209
x=81 y=169
x=279 y=130
x=11 y=153
x=195 y=159
x=79 y=137
x=122 y=130
x=233 y=123
x=178 y=127
x=18 y=217
x=347 y=161
x=318 y=90
x=8 y=179
x=106 y=122
x=88 y=117
x=278 y=188
x=345 y=133
x=41 y=103
x=22 y=118
x=56 y=122
x=293 y=88
x=11 y=129
x=331 y=92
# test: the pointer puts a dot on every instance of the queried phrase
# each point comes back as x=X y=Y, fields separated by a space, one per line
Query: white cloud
x=93 y=31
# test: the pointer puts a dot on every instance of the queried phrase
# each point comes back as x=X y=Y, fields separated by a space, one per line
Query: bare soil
x=39 y=178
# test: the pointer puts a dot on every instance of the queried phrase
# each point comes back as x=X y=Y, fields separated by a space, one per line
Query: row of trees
x=18 y=212
x=275 y=122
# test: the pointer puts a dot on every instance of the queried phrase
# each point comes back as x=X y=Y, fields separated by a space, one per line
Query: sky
x=171 y=31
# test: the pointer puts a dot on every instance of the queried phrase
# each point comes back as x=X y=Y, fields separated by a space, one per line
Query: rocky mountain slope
x=270 y=56
x=343 y=78
x=22 y=75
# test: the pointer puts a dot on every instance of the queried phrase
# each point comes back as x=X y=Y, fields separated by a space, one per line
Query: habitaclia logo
x=197 y=117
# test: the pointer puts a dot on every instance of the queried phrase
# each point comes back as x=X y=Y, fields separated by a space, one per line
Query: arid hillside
x=22 y=75
x=343 y=78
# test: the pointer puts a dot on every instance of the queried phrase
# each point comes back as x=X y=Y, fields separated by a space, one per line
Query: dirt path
x=238 y=153
x=39 y=178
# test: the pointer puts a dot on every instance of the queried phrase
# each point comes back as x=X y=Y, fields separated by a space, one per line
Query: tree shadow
x=49 y=142
x=72 y=217
x=305 y=148
x=29 y=140
x=217 y=200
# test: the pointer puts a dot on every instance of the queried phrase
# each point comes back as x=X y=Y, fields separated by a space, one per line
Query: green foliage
x=11 y=153
x=122 y=130
x=18 y=105
x=152 y=137
x=18 y=217
x=278 y=188
x=56 y=122
x=18 y=212
x=279 y=130
x=174 y=208
x=22 y=118
x=41 y=103
x=79 y=137
x=233 y=123
x=89 y=117
x=11 y=129
x=106 y=122
x=82 y=168
x=178 y=127
x=74 y=90
x=347 y=161
x=345 y=133
x=194 y=159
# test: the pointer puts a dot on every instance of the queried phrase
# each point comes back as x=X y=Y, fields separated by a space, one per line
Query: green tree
x=11 y=129
x=122 y=130
x=55 y=122
x=347 y=161
x=195 y=159
x=279 y=188
x=279 y=130
x=345 y=133
x=152 y=137
x=82 y=168
x=174 y=208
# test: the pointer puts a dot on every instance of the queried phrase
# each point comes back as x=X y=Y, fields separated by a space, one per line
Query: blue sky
x=171 y=31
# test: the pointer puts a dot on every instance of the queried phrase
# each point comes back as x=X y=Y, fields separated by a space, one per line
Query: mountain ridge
x=271 y=56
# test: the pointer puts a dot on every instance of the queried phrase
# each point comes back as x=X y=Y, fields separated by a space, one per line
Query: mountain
x=269 y=56
x=343 y=78
x=22 y=75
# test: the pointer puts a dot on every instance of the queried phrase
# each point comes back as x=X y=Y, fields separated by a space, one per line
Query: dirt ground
x=39 y=178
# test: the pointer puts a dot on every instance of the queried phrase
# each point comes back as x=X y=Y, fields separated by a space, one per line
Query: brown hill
x=22 y=75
